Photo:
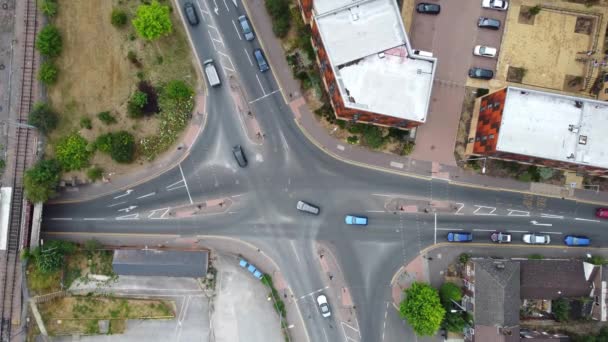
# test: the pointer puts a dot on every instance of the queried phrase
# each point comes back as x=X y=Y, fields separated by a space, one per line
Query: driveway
x=451 y=36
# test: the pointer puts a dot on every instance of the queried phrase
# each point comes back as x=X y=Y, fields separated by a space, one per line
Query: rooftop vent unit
x=381 y=55
x=578 y=104
x=571 y=156
x=573 y=128
x=582 y=140
x=500 y=266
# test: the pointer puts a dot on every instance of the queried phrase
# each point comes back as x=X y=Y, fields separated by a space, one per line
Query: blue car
x=355 y=220
x=573 y=240
x=460 y=237
x=256 y=273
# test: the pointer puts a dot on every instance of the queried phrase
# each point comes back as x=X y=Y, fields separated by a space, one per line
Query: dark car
x=602 y=213
x=483 y=74
x=574 y=240
x=246 y=28
x=261 y=60
x=426 y=8
x=239 y=155
x=488 y=23
x=191 y=13
x=460 y=237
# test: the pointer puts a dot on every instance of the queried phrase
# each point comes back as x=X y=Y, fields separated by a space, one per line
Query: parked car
x=261 y=60
x=355 y=220
x=460 y=237
x=500 y=237
x=488 y=23
x=602 y=213
x=481 y=73
x=537 y=239
x=307 y=207
x=500 y=5
x=252 y=269
x=323 y=306
x=246 y=28
x=484 y=51
x=239 y=156
x=190 y=12
x=426 y=8
x=574 y=240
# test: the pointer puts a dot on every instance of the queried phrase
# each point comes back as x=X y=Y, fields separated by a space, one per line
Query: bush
x=408 y=148
x=49 y=41
x=464 y=258
x=48 y=73
x=546 y=173
x=120 y=146
x=372 y=136
x=132 y=57
x=281 y=17
x=136 y=104
x=151 y=105
x=106 y=118
x=43 y=118
x=72 y=153
x=49 y=257
x=353 y=139
x=449 y=292
x=534 y=10
x=153 y=21
x=455 y=321
x=95 y=173
x=280 y=26
x=177 y=90
x=41 y=180
x=535 y=257
x=85 y=122
x=561 y=309
x=49 y=8
x=119 y=17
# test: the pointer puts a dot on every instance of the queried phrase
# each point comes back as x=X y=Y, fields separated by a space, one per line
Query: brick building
x=545 y=129
x=369 y=69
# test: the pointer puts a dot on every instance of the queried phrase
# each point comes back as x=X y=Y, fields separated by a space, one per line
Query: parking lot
x=451 y=37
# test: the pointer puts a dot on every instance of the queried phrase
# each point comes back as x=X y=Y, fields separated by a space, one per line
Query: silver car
x=307 y=207
x=537 y=239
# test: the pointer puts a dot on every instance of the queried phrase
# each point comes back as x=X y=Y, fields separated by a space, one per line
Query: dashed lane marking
x=551 y=216
x=587 y=220
x=557 y=233
x=147 y=195
x=115 y=204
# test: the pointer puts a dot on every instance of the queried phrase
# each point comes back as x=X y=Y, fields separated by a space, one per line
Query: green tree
x=41 y=180
x=281 y=16
x=422 y=309
x=177 y=90
x=119 y=17
x=561 y=309
x=49 y=8
x=48 y=73
x=449 y=292
x=534 y=10
x=153 y=21
x=136 y=104
x=120 y=146
x=43 y=117
x=72 y=152
x=49 y=41
x=455 y=321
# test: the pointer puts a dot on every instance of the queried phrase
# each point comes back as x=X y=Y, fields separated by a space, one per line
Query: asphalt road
x=286 y=167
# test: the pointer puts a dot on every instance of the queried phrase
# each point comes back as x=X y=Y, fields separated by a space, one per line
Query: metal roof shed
x=150 y=262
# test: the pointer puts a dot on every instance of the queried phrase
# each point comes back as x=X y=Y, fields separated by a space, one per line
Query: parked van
x=307 y=207
x=211 y=72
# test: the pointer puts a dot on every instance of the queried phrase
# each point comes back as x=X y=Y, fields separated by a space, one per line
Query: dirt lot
x=95 y=74
x=548 y=45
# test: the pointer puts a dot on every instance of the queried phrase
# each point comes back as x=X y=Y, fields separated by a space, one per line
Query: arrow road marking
x=128 y=192
x=126 y=210
x=541 y=224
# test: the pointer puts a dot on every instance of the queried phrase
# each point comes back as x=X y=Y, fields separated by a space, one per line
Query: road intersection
x=257 y=204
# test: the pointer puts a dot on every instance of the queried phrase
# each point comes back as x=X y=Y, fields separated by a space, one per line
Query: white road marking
x=115 y=204
x=265 y=96
x=459 y=208
x=517 y=231
x=558 y=233
x=94 y=219
x=225 y=4
x=202 y=10
x=248 y=58
x=126 y=210
x=260 y=83
x=588 y=220
x=450 y=229
x=479 y=207
x=551 y=216
x=185 y=183
x=384 y=195
x=536 y=223
x=375 y=211
x=180 y=181
x=385 y=317
x=340 y=147
x=147 y=195
x=483 y=230
x=162 y=216
x=129 y=217
x=325 y=334
x=435 y=234
x=235 y=196
x=177 y=187
x=61 y=219
x=313 y=292
x=293 y=246
x=396 y=164
x=513 y=212
x=216 y=9
x=128 y=192
x=229 y=60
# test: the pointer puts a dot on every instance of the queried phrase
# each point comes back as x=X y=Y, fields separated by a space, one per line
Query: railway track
x=10 y=267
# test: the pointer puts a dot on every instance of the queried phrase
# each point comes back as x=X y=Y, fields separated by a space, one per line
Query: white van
x=211 y=72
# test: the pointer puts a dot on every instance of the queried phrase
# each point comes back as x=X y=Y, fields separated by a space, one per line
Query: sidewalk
x=356 y=155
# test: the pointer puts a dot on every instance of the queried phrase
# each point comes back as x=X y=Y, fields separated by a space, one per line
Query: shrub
x=41 y=180
x=561 y=309
x=72 y=153
x=119 y=17
x=47 y=73
x=534 y=10
x=151 y=105
x=136 y=104
x=281 y=16
x=106 y=118
x=280 y=26
x=120 y=146
x=546 y=173
x=535 y=257
x=408 y=148
x=85 y=122
x=49 y=41
x=353 y=139
x=95 y=173
x=153 y=21
x=48 y=8
x=177 y=90
x=43 y=118
x=464 y=258
x=372 y=136
x=449 y=292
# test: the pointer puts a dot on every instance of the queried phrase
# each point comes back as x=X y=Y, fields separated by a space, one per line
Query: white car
x=484 y=51
x=500 y=5
x=537 y=239
x=323 y=306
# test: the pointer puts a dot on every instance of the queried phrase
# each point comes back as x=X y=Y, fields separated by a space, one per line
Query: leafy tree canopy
x=49 y=41
x=422 y=309
x=41 y=180
x=43 y=117
x=72 y=152
x=153 y=21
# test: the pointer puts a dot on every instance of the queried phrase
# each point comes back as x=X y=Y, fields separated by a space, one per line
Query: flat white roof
x=6 y=194
x=553 y=126
x=354 y=34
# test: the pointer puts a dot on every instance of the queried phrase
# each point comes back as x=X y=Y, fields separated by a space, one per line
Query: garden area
x=296 y=37
x=120 y=82
x=521 y=172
